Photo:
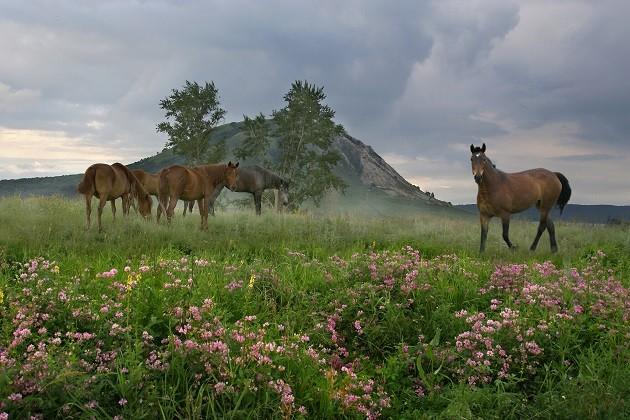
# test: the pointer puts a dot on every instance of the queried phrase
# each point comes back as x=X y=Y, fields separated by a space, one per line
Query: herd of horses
x=202 y=184
x=500 y=194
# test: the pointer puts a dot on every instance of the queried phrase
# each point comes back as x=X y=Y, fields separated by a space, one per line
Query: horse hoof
x=554 y=249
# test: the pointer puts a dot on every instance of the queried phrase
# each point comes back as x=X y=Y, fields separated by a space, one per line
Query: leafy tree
x=257 y=140
x=191 y=114
x=306 y=131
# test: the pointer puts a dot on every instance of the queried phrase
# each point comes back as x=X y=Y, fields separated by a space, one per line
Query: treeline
x=295 y=141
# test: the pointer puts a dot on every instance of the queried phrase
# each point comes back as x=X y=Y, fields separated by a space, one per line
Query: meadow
x=302 y=316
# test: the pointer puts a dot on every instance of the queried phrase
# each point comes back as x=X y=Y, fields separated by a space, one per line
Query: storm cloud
x=544 y=84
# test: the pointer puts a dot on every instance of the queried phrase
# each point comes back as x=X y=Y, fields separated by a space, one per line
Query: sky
x=542 y=83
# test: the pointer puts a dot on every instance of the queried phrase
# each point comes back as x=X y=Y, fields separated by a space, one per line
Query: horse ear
x=472 y=148
x=483 y=148
x=230 y=163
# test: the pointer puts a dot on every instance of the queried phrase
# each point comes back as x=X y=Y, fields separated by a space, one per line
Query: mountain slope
x=372 y=182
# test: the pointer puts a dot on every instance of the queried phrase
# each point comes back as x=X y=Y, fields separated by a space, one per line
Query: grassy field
x=297 y=316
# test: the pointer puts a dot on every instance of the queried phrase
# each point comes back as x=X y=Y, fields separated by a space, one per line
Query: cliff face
x=374 y=172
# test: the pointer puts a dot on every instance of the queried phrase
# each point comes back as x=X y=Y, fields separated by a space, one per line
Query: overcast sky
x=542 y=83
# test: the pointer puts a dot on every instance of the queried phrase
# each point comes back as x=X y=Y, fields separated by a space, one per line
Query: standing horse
x=193 y=183
x=501 y=194
x=107 y=183
x=255 y=180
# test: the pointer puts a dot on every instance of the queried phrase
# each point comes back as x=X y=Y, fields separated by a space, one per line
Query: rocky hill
x=372 y=182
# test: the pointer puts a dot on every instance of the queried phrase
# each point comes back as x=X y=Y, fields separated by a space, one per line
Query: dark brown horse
x=501 y=194
x=109 y=182
x=193 y=183
x=255 y=180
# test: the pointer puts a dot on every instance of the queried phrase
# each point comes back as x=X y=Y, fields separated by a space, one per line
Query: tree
x=306 y=131
x=257 y=140
x=191 y=114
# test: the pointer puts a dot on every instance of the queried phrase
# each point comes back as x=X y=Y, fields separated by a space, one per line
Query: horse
x=150 y=182
x=193 y=183
x=255 y=180
x=107 y=183
x=502 y=194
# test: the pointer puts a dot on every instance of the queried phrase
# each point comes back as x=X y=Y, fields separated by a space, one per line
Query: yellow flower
x=55 y=269
x=252 y=279
x=1 y=296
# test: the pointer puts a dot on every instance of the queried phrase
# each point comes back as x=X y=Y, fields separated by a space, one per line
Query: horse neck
x=272 y=180
x=215 y=173
x=491 y=177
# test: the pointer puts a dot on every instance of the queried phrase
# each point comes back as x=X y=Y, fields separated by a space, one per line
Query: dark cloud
x=413 y=78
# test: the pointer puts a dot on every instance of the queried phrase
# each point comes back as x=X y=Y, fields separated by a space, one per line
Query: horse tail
x=565 y=194
x=86 y=186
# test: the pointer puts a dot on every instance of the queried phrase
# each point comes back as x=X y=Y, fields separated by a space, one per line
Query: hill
x=373 y=185
x=601 y=213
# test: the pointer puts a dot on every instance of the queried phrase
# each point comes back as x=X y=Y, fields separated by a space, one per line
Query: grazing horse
x=107 y=183
x=193 y=183
x=501 y=194
x=150 y=182
x=254 y=179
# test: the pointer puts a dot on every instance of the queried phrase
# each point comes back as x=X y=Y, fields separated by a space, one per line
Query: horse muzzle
x=478 y=178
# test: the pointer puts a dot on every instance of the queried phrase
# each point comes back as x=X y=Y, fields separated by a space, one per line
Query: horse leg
x=185 y=208
x=158 y=211
x=542 y=225
x=88 y=209
x=258 y=202
x=552 y=235
x=484 y=220
x=203 y=211
x=506 y=231
x=170 y=210
x=114 y=208
x=101 y=206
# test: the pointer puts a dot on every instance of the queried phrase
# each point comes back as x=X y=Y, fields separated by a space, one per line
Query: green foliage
x=257 y=140
x=191 y=114
x=306 y=132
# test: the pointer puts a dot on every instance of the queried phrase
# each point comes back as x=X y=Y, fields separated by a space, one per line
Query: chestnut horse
x=501 y=194
x=193 y=183
x=109 y=182
x=150 y=182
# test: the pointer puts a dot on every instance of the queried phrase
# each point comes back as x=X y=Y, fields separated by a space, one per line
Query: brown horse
x=109 y=182
x=150 y=182
x=193 y=183
x=501 y=194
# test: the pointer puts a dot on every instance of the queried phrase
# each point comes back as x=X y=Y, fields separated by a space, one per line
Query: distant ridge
x=583 y=213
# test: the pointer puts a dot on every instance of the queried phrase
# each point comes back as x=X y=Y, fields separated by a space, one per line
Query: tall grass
x=296 y=315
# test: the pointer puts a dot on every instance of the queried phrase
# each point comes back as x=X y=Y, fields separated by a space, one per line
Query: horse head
x=479 y=161
x=231 y=175
x=283 y=192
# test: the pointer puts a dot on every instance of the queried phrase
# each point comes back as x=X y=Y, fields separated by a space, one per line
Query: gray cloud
x=412 y=78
